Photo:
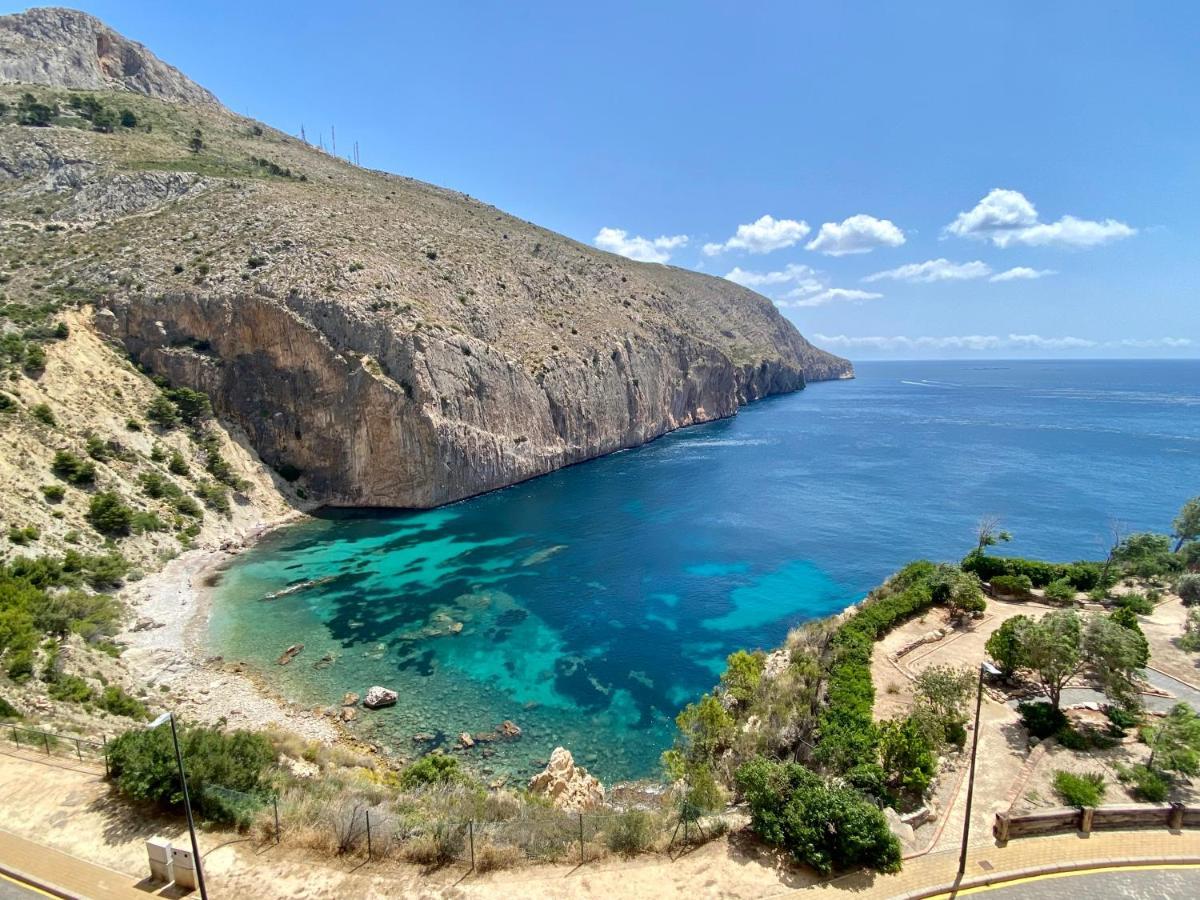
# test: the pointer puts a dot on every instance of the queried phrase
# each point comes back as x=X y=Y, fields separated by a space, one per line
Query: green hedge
x=1013 y=585
x=848 y=736
x=1083 y=575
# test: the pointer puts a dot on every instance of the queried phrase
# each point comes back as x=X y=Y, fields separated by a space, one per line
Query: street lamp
x=187 y=803
x=987 y=667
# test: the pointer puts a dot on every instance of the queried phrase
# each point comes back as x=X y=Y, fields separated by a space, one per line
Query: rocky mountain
x=377 y=340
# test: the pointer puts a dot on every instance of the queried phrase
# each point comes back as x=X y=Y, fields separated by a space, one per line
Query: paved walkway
x=65 y=875
x=1135 y=883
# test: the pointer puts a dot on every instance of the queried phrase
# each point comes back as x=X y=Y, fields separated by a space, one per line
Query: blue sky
x=946 y=143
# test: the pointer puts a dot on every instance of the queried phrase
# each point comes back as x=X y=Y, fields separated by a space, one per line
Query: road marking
x=25 y=885
x=983 y=888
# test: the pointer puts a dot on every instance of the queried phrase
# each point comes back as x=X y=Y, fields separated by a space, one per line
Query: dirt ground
x=1163 y=629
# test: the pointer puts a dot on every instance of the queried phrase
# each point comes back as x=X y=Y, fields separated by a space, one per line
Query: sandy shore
x=167 y=641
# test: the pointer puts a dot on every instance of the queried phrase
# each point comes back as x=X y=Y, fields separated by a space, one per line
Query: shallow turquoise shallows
x=596 y=601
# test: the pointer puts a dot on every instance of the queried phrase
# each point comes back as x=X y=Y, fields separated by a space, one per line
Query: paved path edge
x=1033 y=871
x=40 y=883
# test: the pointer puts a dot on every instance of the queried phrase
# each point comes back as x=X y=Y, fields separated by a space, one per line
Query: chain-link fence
x=82 y=750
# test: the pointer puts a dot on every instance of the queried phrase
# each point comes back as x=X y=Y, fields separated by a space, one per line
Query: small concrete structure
x=184 y=864
x=159 y=851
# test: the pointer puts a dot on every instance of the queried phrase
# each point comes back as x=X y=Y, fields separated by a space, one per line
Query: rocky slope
x=384 y=341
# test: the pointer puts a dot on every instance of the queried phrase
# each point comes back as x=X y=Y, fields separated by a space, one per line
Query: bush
x=177 y=465
x=1137 y=603
x=114 y=700
x=1041 y=719
x=1004 y=645
x=432 y=770
x=44 y=414
x=142 y=763
x=70 y=689
x=820 y=824
x=742 y=674
x=631 y=832
x=1079 y=790
x=23 y=535
x=215 y=496
x=1151 y=786
x=73 y=469
x=53 y=492
x=109 y=515
x=1020 y=586
x=906 y=755
x=8 y=711
x=1084 y=576
x=1060 y=591
x=162 y=412
x=1188 y=589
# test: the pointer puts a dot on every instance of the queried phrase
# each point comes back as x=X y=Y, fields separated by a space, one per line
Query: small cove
x=597 y=600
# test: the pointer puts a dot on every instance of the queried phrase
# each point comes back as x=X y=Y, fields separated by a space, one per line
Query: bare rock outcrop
x=568 y=786
x=68 y=48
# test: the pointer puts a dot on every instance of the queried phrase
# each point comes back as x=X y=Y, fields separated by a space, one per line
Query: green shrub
x=44 y=414
x=1136 y=603
x=1084 y=576
x=1019 y=586
x=1147 y=784
x=23 y=536
x=162 y=412
x=70 y=689
x=430 y=770
x=96 y=448
x=820 y=824
x=743 y=672
x=53 y=492
x=1004 y=645
x=114 y=700
x=215 y=496
x=1188 y=588
x=1079 y=790
x=143 y=522
x=906 y=755
x=142 y=763
x=177 y=465
x=35 y=359
x=1060 y=591
x=73 y=469
x=631 y=832
x=1041 y=719
x=109 y=515
x=20 y=664
x=8 y=711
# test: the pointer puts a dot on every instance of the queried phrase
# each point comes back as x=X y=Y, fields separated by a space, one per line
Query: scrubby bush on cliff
x=1060 y=591
x=430 y=770
x=1018 y=586
x=1188 y=589
x=143 y=767
x=1082 y=575
x=72 y=468
x=820 y=824
x=959 y=590
x=1146 y=555
x=743 y=672
x=1079 y=790
x=109 y=515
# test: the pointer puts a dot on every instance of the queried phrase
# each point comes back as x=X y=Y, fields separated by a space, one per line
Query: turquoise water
x=594 y=602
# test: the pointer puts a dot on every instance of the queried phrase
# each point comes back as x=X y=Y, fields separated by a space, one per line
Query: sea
x=589 y=605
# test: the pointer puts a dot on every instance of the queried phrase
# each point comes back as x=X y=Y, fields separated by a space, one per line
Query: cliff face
x=395 y=343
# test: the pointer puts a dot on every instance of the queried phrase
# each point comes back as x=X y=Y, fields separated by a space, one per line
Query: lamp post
x=187 y=802
x=984 y=666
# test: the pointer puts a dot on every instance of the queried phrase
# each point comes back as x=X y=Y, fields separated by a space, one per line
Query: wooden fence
x=1175 y=816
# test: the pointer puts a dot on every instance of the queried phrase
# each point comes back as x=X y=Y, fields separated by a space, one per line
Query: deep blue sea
x=595 y=601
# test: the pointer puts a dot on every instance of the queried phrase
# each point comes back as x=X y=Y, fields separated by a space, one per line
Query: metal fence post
x=275 y=803
x=368 y=835
x=46 y=741
x=582 y=858
x=16 y=736
x=78 y=752
x=471 y=840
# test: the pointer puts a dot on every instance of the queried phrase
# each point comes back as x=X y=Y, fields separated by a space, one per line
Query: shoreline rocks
x=568 y=786
x=379 y=697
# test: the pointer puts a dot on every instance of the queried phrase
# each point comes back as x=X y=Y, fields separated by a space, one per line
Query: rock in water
x=378 y=697
x=289 y=654
x=568 y=786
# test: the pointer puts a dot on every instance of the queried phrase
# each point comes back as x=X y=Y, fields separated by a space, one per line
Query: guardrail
x=1175 y=816
x=52 y=744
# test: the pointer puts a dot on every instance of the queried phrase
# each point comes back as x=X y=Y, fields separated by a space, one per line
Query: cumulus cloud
x=829 y=295
x=763 y=236
x=793 y=273
x=934 y=270
x=1021 y=273
x=857 y=234
x=1006 y=217
x=656 y=250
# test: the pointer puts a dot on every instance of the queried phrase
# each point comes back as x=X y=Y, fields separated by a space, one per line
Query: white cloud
x=656 y=250
x=1168 y=343
x=1021 y=273
x=829 y=295
x=763 y=236
x=1006 y=217
x=793 y=273
x=857 y=234
x=934 y=270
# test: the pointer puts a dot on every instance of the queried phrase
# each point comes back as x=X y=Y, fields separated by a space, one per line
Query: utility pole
x=984 y=666
x=333 y=138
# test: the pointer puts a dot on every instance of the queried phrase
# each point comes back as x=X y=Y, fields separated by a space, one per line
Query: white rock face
x=568 y=786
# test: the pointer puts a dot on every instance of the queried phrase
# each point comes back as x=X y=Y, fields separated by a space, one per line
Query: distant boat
x=296 y=588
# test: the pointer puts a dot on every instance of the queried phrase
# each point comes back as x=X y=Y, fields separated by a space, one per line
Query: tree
x=906 y=754
x=109 y=515
x=1051 y=649
x=1186 y=526
x=742 y=674
x=196 y=144
x=960 y=591
x=1128 y=619
x=1175 y=741
x=192 y=405
x=1116 y=655
x=942 y=695
x=1145 y=554
x=1004 y=646
x=35 y=113
x=128 y=119
x=988 y=533
x=1188 y=589
x=162 y=412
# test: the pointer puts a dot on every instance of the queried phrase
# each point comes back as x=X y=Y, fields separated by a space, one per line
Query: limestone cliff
x=390 y=342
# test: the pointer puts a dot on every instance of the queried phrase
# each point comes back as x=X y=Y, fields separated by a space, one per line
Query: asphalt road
x=15 y=890
x=1111 y=884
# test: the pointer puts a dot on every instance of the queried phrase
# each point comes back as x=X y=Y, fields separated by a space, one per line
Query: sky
x=932 y=180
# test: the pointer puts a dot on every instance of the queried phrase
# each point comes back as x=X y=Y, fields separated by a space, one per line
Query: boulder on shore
x=378 y=697
x=568 y=786
x=508 y=729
